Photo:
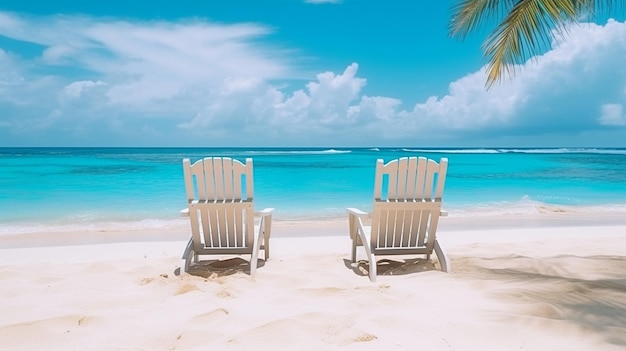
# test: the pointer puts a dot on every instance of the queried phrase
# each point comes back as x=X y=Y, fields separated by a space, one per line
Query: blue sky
x=293 y=73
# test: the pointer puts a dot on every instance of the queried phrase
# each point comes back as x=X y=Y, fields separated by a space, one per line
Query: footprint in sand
x=224 y=294
x=100 y=267
x=364 y=337
x=379 y=288
x=185 y=288
x=145 y=281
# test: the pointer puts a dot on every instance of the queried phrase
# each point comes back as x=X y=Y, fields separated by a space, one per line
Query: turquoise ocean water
x=48 y=189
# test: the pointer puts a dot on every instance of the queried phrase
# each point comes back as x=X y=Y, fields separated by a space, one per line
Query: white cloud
x=612 y=115
x=469 y=106
x=323 y=105
x=75 y=89
x=325 y=101
x=559 y=92
x=151 y=60
x=9 y=71
x=200 y=83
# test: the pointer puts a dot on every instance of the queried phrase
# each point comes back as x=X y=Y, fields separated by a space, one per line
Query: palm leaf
x=523 y=28
x=468 y=15
x=525 y=32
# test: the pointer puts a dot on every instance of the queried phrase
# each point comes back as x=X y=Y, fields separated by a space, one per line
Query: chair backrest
x=220 y=193
x=407 y=203
x=217 y=178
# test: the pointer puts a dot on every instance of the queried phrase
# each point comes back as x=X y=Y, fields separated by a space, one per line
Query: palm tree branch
x=525 y=32
x=468 y=15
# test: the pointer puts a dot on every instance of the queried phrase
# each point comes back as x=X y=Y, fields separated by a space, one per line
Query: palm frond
x=523 y=28
x=524 y=33
x=468 y=15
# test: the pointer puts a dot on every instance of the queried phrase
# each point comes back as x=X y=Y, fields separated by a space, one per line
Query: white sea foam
x=297 y=152
x=494 y=209
x=524 y=151
x=540 y=151
x=454 y=151
x=93 y=226
x=566 y=151
x=526 y=206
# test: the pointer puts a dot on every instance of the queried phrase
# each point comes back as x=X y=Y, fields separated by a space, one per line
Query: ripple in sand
x=21 y=333
x=324 y=291
x=210 y=317
x=545 y=310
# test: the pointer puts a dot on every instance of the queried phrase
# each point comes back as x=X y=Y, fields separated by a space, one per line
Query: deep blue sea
x=126 y=188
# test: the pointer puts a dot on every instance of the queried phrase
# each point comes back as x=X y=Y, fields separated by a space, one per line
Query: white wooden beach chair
x=220 y=197
x=406 y=212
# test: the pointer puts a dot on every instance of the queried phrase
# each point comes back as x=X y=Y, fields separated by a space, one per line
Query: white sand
x=535 y=283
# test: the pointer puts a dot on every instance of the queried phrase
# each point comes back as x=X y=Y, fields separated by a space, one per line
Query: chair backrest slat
x=227 y=175
x=391 y=169
x=416 y=220
x=214 y=166
x=401 y=178
x=421 y=178
x=378 y=181
x=411 y=177
x=441 y=178
x=210 y=229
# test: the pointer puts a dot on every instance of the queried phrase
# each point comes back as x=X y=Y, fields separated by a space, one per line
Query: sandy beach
x=541 y=282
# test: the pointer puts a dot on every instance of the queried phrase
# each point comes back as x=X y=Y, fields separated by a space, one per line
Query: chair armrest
x=443 y=213
x=184 y=212
x=264 y=212
x=357 y=212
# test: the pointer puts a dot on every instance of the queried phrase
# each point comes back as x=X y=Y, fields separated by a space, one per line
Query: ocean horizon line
x=331 y=149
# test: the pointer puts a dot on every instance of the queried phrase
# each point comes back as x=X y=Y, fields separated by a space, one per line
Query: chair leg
x=443 y=259
x=266 y=236
x=266 y=249
x=253 y=263
x=184 y=266
x=256 y=247
x=373 y=268
x=188 y=256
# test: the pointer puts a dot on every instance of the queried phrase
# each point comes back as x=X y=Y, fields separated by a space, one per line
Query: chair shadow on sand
x=220 y=268
x=396 y=266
